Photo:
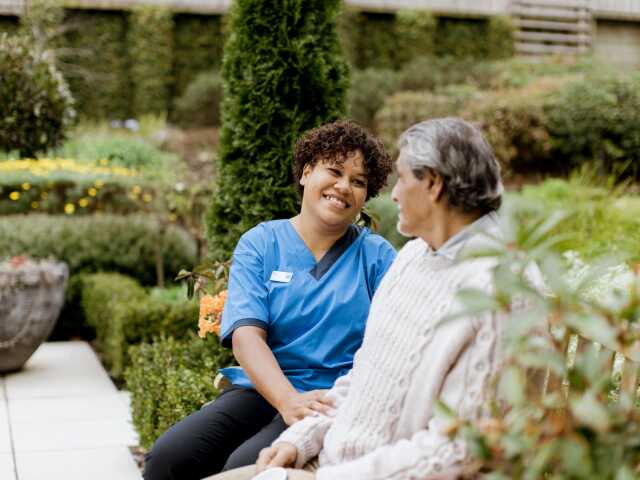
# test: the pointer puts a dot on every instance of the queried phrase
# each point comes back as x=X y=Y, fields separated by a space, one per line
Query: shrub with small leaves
x=97 y=243
x=367 y=93
x=37 y=107
x=123 y=314
x=169 y=379
x=404 y=109
x=199 y=105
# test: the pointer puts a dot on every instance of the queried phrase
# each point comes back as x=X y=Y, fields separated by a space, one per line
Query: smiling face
x=335 y=192
x=416 y=199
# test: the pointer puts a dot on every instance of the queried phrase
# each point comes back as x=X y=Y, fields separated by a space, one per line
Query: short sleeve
x=246 y=303
x=385 y=255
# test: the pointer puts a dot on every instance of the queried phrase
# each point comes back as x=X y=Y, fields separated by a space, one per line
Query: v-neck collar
x=323 y=265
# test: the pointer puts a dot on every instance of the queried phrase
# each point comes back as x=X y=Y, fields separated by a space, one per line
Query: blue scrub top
x=315 y=319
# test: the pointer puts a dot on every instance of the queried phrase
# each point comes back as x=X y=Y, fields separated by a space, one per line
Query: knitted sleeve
x=308 y=434
x=429 y=453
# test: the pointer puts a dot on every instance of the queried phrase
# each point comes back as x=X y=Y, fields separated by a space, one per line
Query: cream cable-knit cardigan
x=384 y=425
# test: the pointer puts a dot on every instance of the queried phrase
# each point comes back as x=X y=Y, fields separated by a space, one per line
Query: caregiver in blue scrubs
x=299 y=295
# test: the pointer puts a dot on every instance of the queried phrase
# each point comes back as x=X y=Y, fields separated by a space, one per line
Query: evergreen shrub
x=369 y=39
x=515 y=126
x=95 y=243
x=367 y=93
x=404 y=109
x=462 y=37
x=169 y=379
x=124 y=314
x=386 y=40
x=150 y=50
x=197 y=47
x=37 y=107
x=500 y=37
x=199 y=105
x=97 y=73
x=597 y=120
x=282 y=75
x=9 y=24
x=431 y=73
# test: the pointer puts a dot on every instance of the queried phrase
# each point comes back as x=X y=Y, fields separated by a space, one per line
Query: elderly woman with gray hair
x=383 y=425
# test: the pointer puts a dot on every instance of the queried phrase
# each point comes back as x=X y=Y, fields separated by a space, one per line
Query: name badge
x=283 y=277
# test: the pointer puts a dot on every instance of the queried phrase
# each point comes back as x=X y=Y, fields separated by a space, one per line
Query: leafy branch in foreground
x=558 y=410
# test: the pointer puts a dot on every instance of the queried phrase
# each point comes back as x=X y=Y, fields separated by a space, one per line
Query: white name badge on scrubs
x=283 y=277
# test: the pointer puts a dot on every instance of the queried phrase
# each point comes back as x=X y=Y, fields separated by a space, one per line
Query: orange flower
x=211 y=313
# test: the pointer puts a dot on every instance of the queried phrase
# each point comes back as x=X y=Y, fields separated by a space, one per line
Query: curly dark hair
x=333 y=142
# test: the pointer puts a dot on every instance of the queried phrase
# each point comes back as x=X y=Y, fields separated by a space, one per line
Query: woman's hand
x=282 y=454
x=299 y=405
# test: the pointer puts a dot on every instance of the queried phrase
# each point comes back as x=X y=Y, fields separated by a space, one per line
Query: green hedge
x=9 y=23
x=126 y=64
x=150 y=52
x=197 y=47
x=199 y=105
x=386 y=40
x=124 y=314
x=95 y=243
x=283 y=74
x=597 y=120
x=462 y=37
x=404 y=109
x=98 y=75
x=169 y=379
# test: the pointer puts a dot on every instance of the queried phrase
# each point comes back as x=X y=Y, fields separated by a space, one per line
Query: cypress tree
x=283 y=74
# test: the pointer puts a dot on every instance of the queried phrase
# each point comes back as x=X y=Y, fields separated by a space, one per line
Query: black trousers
x=225 y=434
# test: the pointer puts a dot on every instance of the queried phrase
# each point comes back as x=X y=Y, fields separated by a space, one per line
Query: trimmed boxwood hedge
x=124 y=314
x=169 y=379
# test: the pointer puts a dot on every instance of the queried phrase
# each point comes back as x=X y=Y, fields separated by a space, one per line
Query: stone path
x=61 y=417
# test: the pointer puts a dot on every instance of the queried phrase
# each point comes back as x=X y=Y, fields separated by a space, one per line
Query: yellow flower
x=136 y=189
x=104 y=162
x=146 y=197
x=83 y=202
x=92 y=192
x=14 y=196
x=34 y=204
x=99 y=184
x=69 y=208
x=26 y=186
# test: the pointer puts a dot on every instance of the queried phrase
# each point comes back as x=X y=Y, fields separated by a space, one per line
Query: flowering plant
x=208 y=282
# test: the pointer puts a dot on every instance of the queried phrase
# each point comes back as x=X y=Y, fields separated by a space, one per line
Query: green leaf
x=511 y=386
x=590 y=412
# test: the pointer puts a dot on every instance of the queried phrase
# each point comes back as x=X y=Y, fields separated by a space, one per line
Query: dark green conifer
x=283 y=74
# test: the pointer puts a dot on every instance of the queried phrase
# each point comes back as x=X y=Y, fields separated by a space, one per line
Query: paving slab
x=63 y=409
x=60 y=369
x=115 y=463
x=7 y=470
x=33 y=437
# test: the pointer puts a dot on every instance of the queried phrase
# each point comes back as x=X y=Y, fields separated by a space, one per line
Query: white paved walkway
x=61 y=417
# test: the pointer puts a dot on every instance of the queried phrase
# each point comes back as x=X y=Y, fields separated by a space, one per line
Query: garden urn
x=31 y=296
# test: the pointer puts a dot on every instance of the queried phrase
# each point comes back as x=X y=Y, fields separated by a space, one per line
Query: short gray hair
x=457 y=151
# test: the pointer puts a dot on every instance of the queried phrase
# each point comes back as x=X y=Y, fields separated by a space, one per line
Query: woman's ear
x=306 y=170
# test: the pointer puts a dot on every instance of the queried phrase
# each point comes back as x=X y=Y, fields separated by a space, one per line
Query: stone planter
x=31 y=296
